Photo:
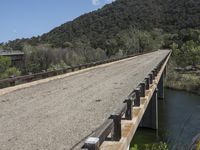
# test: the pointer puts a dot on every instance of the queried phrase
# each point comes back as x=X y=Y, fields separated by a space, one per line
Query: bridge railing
x=111 y=128
x=33 y=77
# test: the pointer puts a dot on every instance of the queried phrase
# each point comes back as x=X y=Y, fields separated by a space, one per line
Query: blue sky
x=27 y=18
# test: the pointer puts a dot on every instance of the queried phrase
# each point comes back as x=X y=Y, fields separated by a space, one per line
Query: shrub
x=5 y=68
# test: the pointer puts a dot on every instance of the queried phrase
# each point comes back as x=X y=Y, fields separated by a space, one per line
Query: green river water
x=179 y=121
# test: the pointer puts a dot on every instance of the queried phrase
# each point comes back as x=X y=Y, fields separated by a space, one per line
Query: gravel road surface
x=58 y=114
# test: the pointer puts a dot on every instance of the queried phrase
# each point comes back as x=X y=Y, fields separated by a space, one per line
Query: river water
x=179 y=121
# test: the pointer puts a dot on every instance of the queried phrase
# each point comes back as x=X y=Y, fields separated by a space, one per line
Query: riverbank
x=184 y=81
x=175 y=120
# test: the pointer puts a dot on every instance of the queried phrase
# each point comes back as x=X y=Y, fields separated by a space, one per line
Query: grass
x=155 y=146
x=186 y=81
x=198 y=145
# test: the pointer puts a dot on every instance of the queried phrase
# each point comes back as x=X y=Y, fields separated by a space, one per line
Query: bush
x=61 y=65
x=5 y=63
x=155 y=146
x=10 y=72
x=5 y=68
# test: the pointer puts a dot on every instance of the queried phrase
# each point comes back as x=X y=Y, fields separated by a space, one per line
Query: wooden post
x=116 y=135
x=147 y=83
x=137 y=99
x=156 y=72
x=153 y=73
x=151 y=78
x=129 y=110
x=142 y=89
x=12 y=83
x=159 y=66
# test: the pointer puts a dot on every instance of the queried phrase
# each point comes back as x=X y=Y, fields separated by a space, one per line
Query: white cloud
x=98 y=2
x=95 y=2
x=109 y=1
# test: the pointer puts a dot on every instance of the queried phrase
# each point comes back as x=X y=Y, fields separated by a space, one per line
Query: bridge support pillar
x=165 y=71
x=161 y=88
x=150 y=117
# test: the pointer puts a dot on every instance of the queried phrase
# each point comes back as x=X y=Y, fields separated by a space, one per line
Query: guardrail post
x=137 y=99
x=154 y=74
x=116 y=135
x=92 y=143
x=147 y=83
x=54 y=73
x=129 y=110
x=151 y=78
x=156 y=71
x=159 y=66
x=142 y=89
x=12 y=83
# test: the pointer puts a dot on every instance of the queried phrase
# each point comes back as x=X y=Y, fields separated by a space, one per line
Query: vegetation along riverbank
x=184 y=69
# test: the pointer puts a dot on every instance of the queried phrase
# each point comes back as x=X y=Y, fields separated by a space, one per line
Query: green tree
x=192 y=50
x=5 y=68
x=5 y=63
x=186 y=54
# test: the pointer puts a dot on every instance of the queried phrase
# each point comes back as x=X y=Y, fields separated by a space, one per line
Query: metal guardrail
x=28 y=78
x=112 y=126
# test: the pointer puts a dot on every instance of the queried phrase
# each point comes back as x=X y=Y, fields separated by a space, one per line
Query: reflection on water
x=179 y=121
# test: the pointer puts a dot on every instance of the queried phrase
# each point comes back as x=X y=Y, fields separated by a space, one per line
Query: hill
x=105 y=23
x=119 y=28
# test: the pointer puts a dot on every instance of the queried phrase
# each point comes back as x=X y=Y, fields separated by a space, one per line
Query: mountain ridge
x=105 y=23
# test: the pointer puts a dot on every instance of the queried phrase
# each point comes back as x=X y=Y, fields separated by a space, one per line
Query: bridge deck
x=60 y=113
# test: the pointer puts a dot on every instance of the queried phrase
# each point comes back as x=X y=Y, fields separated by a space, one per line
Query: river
x=179 y=121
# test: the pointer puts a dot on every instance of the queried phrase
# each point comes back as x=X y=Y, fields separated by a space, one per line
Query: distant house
x=17 y=57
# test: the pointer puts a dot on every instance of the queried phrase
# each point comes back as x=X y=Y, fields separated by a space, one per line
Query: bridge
x=94 y=108
x=17 y=57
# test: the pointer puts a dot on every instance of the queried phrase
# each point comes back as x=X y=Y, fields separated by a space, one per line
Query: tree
x=5 y=68
x=5 y=63
x=192 y=52
x=187 y=53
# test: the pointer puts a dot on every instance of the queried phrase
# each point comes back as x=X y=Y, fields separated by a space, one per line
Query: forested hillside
x=105 y=23
x=120 y=28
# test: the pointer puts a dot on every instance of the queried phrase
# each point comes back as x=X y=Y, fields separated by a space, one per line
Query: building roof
x=10 y=53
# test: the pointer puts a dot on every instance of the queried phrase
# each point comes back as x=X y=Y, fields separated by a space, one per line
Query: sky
x=27 y=18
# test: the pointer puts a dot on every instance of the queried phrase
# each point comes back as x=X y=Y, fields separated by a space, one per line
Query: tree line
x=44 y=57
x=118 y=29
